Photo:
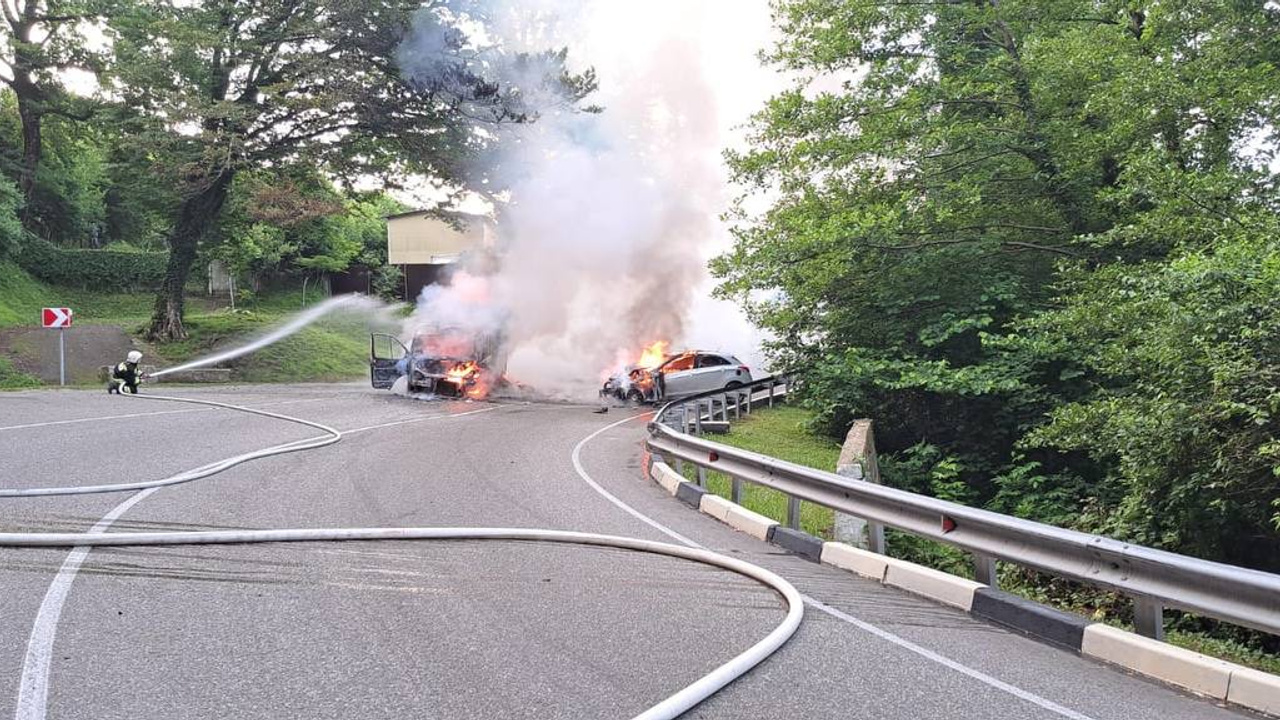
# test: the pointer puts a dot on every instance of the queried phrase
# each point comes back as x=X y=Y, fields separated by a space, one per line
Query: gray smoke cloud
x=602 y=239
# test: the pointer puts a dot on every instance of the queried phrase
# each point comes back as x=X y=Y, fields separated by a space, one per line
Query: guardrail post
x=771 y=386
x=702 y=477
x=737 y=405
x=793 y=513
x=858 y=462
x=724 y=407
x=684 y=418
x=1148 y=617
x=984 y=571
x=750 y=392
x=735 y=490
x=697 y=418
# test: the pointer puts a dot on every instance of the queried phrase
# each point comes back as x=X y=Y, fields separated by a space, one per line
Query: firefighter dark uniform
x=125 y=378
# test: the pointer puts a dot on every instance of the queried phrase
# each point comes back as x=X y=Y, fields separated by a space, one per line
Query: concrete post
x=858 y=462
x=1148 y=617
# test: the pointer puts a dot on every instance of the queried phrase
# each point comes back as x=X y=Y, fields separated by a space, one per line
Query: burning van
x=445 y=361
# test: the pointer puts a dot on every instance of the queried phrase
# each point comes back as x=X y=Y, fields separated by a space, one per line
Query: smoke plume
x=602 y=241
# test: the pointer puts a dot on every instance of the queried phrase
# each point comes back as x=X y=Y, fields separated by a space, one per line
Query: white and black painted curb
x=1188 y=670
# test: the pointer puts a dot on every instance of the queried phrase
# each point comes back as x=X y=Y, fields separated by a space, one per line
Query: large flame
x=471 y=379
x=653 y=355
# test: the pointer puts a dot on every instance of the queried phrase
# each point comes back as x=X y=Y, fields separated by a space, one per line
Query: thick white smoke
x=604 y=239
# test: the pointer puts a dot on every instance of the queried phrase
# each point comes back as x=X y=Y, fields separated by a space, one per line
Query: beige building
x=423 y=245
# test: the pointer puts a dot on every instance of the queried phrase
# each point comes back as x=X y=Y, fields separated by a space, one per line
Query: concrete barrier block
x=715 y=506
x=800 y=543
x=855 y=560
x=1255 y=690
x=666 y=477
x=1041 y=621
x=690 y=494
x=751 y=523
x=933 y=584
x=1174 y=665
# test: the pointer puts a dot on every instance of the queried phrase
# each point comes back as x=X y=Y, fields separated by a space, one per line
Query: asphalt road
x=458 y=629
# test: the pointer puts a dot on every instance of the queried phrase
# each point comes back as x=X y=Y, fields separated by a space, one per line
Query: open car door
x=385 y=354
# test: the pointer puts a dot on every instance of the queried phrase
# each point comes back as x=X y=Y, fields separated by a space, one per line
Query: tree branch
x=964 y=241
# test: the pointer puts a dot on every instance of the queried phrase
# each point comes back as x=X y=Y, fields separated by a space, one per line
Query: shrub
x=98 y=269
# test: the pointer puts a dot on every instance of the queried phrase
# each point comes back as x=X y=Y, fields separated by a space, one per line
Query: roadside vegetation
x=1039 y=245
x=334 y=349
x=785 y=432
x=782 y=433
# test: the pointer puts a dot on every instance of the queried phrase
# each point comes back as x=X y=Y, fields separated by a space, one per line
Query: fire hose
x=672 y=707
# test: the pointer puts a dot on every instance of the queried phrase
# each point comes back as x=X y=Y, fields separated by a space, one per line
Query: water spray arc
x=299 y=321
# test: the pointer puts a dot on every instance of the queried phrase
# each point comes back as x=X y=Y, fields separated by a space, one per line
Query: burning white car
x=673 y=376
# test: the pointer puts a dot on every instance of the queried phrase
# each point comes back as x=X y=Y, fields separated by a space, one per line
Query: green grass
x=331 y=350
x=12 y=378
x=1226 y=649
x=778 y=432
x=21 y=296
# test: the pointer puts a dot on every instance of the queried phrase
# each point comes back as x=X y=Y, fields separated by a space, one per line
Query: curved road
x=457 y=629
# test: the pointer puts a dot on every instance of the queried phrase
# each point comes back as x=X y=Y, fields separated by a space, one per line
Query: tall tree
x=385 y=88
x=44 y=38
x=939 y=166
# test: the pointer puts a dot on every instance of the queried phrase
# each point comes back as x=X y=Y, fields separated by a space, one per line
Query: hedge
x=97 y=269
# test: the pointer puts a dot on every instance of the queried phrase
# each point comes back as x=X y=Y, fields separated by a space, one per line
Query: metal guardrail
x=1153 y=578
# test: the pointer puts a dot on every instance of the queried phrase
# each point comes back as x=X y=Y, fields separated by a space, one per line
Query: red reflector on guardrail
x=948 y=524
x=714 y=456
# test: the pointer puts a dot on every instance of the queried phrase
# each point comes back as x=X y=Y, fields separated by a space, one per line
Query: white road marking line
x=33 y=688
x=833 y=612
x=582 y=473
x=138 y=415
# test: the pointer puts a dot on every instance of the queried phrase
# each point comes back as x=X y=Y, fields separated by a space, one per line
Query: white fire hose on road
x=330 y=437
x=33 y=693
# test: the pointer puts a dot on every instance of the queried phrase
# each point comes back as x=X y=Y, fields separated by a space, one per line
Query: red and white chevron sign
x=57 y=317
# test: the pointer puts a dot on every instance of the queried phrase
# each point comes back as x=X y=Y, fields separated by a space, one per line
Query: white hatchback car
x=698 y=371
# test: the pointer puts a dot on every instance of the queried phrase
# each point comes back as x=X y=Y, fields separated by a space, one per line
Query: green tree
x=11 y=232
x=41 y=39
x=383 y=88
x=940 y=170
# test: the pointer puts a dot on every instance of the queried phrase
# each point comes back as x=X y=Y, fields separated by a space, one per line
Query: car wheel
x=635 y=396
x=733 y=385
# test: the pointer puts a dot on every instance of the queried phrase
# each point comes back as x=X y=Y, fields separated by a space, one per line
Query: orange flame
x=653 y=355
x=470 y=379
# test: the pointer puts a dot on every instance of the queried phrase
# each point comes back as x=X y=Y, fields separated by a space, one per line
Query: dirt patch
x=35 y=350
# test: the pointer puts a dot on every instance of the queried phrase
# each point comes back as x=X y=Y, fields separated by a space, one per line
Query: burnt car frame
x=448 y=362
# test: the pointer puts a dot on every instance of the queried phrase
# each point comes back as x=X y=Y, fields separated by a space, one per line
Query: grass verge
x=332 y=350
x=778 y=432
x=11 y=378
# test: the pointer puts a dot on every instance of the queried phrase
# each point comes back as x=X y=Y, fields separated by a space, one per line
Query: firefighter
x=126 y=376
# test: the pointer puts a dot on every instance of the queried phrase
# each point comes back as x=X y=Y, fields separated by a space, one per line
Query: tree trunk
x=197 y=215
x=31 y=115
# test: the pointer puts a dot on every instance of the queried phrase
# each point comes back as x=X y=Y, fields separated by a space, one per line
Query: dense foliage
x=118 y=269
x=1037 y=242
x=234 y=130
